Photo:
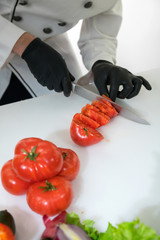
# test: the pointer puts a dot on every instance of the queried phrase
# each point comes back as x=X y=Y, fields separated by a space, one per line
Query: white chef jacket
x=50 y=20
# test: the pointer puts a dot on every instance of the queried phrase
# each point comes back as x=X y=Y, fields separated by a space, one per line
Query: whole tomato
x=71 y=164
x=84 y=135
x=50 y=197
x=11 y=182
x=36 y=159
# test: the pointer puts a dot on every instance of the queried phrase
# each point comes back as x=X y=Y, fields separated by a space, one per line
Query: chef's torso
x=45 y=18
x=48 y=19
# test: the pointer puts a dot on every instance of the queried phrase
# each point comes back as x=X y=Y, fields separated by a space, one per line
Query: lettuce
x=134 y=230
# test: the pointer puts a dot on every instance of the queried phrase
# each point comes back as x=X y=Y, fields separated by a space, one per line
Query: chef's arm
x=22 y=43
x=45 y=63
x=98 y=44
x=9 y=34
x=98 y=38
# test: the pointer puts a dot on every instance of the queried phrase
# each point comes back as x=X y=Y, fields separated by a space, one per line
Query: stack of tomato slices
x=84 y=125
x=44 y=172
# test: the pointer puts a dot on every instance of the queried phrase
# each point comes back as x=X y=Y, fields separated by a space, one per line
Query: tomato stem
x=31 y=155
x=49 y=187
x=64 y=155
x=86 y=131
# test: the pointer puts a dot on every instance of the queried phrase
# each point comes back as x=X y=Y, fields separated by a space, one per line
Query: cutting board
x=119 y=177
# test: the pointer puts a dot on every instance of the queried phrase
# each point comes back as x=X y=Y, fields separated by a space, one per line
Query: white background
x=139 y=36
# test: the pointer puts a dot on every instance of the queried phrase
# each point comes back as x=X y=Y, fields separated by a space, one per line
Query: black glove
x=108 y=75
x=48 y=67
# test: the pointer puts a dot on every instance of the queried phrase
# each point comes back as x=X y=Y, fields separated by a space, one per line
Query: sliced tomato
x=84 y=135
x=71 y=164
x=105 y=108
x=95 y=114
x=86 y=120
x=114 y=111
x=103 y=95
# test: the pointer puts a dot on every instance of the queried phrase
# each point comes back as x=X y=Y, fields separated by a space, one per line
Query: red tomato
x=86 y=120
x=94 y=113
x=50 y=197
x=11 y=182
x=103 y=95
x=71 y=164
x=114 y=111
x=22 y=144
x=104 y=108
x=36 y=159
x=84 y=135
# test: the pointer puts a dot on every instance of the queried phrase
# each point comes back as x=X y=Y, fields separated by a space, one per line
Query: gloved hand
x=108 y=78
x=48 y=67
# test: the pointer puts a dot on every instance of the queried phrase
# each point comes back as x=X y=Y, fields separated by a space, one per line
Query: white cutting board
x=119 y=178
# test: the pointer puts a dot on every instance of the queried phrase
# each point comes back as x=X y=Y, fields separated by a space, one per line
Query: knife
x=124 y=112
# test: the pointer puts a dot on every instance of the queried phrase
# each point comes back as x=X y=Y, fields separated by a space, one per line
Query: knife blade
x=124 y=112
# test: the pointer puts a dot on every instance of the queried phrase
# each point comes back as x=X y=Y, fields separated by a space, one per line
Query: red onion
x=51 y=225
x=70 y=232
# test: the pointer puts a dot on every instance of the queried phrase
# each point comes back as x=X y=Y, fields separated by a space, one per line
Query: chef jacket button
x=17 y=18
x=88 y=4
x=23 y=2
x=62 y=24
x=47 y=30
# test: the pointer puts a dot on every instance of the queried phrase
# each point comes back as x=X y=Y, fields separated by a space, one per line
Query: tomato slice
x=84 y=135
x=86 y=120
x=95 y=114
x=103 y=95
x=71 y=164
x=107 y=109
x=114 y=111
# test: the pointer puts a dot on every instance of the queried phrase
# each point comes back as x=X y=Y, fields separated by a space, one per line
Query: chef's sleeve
x=98 y=37
x=9 y=34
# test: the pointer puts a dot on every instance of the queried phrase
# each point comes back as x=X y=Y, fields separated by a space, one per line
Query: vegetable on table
x=68 y=226
x=36 y=159
x=83 y=129
x=94 y=113
x=51 y=196
x=59 y=229
x=7 y=226
x=86 y=120
x=84 y=135
x=71 y=164
x=44 y=172
x=103 y=107
x=11 y=182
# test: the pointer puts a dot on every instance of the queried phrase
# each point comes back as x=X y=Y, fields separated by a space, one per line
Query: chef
x=35 y=49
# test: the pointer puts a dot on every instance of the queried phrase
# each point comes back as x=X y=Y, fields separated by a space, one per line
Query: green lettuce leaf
x=86 y=225
x=134 y=230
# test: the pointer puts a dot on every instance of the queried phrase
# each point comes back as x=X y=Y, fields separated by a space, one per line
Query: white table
x=119 y=178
